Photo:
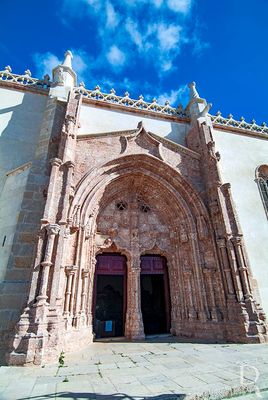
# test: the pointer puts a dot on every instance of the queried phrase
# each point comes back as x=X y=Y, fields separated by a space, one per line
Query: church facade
x=126 y=218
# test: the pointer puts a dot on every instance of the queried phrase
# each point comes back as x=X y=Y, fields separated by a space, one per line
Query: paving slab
x=156 y=369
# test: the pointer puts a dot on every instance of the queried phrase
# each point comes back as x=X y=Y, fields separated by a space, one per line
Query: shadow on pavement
x=96 y=396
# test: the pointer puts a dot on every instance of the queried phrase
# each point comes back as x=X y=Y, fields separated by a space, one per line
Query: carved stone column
x=70 y=271
x=208 y=274
x=192 y=315
x=55 y=163
x=226 y=268
x=235 y=271
x=52 y=231
x=70 y=168
x=242 y=267
x=85 y=274
x=69 y=295
x=134 y=324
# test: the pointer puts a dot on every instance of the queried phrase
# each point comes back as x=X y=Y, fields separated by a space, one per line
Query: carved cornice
x=95 y=96
x=25 y=79
x=242 y=126
x=130 y=103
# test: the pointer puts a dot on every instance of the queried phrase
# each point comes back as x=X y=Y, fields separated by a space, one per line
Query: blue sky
x=149 y=47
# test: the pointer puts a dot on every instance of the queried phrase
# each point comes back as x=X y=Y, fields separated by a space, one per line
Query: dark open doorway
x=155 y=304
x=110 y=296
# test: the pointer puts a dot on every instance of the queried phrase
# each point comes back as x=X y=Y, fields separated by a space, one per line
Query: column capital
x=209 y=270
x=187 y=272
x=69 y=164
x=237 y=240
x=71 y=269
x=85 y=273
x=226 y=186
x=46 y=264
x=221 y=242
x=52 y=229
x=55 y=162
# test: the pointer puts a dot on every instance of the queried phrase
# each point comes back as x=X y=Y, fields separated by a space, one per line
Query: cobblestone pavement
x=160 y=368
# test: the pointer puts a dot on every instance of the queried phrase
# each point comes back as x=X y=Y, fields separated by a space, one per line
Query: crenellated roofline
x=126 y=103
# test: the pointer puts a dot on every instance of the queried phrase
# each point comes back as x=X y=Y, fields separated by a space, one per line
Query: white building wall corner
x=23 y=200
x=240 y=155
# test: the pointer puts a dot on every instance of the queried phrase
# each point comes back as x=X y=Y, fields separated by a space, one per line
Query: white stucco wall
x=20 y=119
x=240 y=156
x=100 y=120
x=10 y=205
x=21 y=115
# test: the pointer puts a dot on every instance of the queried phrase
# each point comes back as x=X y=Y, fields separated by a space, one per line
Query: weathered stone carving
x=165 y=214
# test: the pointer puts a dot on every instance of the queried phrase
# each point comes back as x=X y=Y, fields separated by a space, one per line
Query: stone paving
x=157 y=369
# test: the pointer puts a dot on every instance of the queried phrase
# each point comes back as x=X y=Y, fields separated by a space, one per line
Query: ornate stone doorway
x=155 y=299
x=109 y=306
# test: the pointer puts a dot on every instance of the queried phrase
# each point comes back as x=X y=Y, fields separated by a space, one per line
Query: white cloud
x=45 y=63
x=175 y=96
x=152 y=32
x=157 y=3
x=112 y=19
x=135 y=35
x=81 y=63
x=181 y=6
x=116 y=57
x=168 y=36
x=167 y=65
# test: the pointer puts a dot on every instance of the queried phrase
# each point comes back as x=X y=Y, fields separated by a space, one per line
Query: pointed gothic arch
x=262 y=182
x=175 y=206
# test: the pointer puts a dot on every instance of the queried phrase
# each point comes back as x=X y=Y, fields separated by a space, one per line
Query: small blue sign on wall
x=108 y=326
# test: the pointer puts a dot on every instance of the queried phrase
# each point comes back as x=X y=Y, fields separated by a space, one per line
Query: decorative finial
x=112 y=91
x=141 y=97
x=167 y=103
x=154 y=100
x=97 y=88
x=82 y=84
x=126 y=94
x=63 y=74
x=27 y=72
x=67 y=62
x=8 y=69
x=193 y=92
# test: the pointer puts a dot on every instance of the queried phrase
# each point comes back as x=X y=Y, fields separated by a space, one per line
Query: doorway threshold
x=112 y=339
x=158 y=336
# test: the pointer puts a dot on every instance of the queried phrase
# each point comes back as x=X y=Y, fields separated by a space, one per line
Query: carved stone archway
x=139 y=204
